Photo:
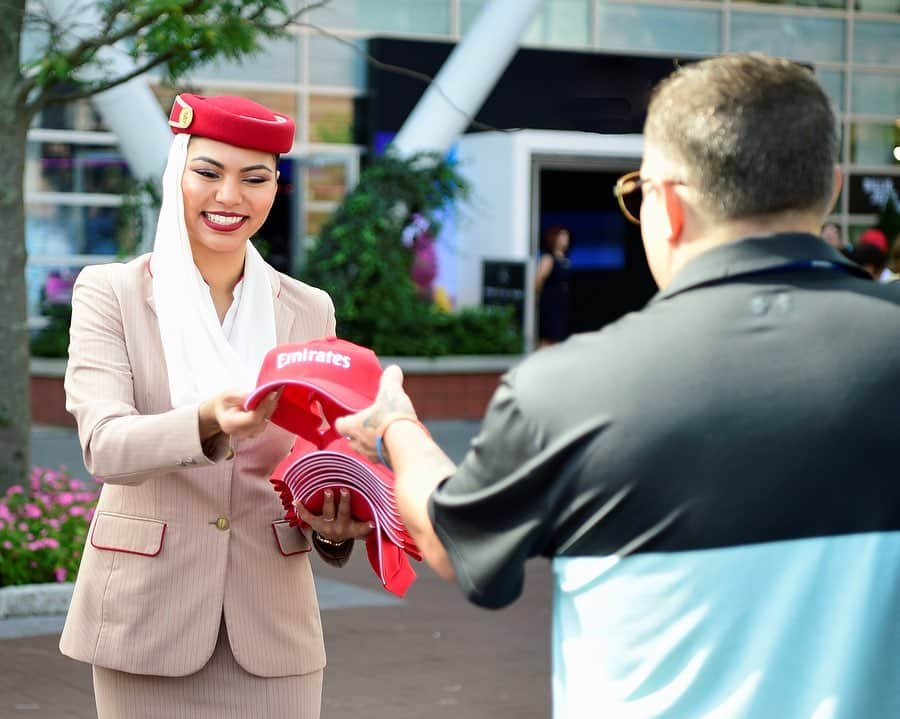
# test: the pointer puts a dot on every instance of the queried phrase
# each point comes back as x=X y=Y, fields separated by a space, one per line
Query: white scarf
x=200 y=360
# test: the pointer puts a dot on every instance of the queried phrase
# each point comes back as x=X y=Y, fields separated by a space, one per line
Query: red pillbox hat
x=235 y=120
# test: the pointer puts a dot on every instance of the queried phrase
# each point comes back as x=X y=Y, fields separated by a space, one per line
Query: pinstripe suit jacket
x=179 y=538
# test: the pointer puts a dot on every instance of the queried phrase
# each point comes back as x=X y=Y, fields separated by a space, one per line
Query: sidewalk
x=430 y=655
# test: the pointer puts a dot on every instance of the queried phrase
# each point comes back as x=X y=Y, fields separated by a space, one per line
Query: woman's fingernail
x=329 y=493
x=344 y=492
x=371 y=525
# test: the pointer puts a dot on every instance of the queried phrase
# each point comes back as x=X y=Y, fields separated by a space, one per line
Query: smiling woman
x=188 y=541
x=228 y=192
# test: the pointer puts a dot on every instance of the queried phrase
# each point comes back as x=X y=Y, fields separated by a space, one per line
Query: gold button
x=222 y=523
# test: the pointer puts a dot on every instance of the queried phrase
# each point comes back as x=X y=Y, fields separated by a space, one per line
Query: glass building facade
x=76 y=174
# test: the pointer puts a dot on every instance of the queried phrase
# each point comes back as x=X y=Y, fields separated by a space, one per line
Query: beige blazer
x=177 y=538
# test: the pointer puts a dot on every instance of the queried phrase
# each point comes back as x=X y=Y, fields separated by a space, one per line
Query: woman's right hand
x=225 y=413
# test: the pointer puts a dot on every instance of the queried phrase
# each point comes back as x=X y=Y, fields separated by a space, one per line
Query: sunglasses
x=629 y=191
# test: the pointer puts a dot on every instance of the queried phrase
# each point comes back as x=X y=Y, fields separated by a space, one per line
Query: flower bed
x=43 y=527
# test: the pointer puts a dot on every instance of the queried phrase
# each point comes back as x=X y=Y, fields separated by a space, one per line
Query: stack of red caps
x=320 y=381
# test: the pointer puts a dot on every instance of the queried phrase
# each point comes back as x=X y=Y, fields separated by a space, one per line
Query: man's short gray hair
x=756 y=135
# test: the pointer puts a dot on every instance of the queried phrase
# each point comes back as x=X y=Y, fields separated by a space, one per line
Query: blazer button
x=222 y=523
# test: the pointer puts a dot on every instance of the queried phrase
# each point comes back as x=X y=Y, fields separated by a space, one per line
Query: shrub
x=43 y=527
x=53 y=340
x=360 y=260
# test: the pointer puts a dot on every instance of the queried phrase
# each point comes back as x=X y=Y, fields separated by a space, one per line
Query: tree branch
x=99 y=40
x=95 y=89
x=85 y=50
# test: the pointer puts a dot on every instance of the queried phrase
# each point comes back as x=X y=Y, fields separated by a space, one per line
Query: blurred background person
x=551 y=285
x=871 y=258
x=831 y=233
x=871 y=252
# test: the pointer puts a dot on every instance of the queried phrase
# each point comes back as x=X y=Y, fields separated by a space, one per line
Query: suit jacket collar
x=284 y=315
x=750 y=255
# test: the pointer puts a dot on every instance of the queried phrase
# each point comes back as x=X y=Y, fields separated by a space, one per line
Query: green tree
x=172 y=36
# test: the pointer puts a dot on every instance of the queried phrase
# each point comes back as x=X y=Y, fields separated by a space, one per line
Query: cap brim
x=346 y=399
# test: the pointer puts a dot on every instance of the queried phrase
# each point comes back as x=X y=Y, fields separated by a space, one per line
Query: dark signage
x=581 y=91
x=869 y=193
x=503 y=284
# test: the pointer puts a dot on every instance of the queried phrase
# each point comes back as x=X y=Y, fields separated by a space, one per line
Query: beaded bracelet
x=389 y=420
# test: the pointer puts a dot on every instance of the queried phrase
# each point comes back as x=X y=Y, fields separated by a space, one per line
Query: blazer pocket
x=128 y=534
x=290 y=540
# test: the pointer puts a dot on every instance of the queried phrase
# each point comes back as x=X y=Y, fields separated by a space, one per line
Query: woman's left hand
x=334 y=524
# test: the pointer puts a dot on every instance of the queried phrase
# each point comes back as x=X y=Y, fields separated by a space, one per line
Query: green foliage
x=53 y=339
x=360 y=260
x=43 y=527
x=173 y=35
x=140 y=197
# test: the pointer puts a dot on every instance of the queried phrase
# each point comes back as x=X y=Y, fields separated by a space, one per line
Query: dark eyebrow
x=222 y=167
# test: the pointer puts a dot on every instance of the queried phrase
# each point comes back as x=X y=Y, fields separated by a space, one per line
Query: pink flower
x=5 y=513
x=32 y=511
x=61 y=573
x=15 y=489
x=76 y=511
x=2 y=524
x=7 y=545
x=53 y=523
x=76 y=484
x=64 y=499
x=47 y=543
x=23 y=527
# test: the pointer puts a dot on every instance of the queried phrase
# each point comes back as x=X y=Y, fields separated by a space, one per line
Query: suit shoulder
x=298 y=294
x=115 y=274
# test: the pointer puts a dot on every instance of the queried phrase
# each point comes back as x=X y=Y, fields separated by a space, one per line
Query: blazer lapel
x=147 y=276
x=284 y=315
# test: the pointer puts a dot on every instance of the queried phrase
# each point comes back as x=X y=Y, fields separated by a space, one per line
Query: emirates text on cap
x=307 y=355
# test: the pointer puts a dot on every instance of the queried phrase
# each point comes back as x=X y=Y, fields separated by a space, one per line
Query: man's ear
x=836 y=189
x=674 y=213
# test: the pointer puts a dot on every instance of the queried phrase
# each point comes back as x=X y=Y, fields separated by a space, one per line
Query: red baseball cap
x=340 y=376
x=875 y=237
x=235 y=120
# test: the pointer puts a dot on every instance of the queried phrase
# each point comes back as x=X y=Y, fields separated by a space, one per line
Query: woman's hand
x=225 y=413
x=335 y=525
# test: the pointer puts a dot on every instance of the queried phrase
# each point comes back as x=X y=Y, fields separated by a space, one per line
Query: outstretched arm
x=419 y=464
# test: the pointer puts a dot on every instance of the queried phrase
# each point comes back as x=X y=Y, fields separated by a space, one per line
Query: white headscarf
x=200 y=360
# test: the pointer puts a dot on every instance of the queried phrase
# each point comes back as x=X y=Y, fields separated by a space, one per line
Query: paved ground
x=429 y=656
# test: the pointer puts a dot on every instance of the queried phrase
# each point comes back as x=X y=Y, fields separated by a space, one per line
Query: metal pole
x=466 y=78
